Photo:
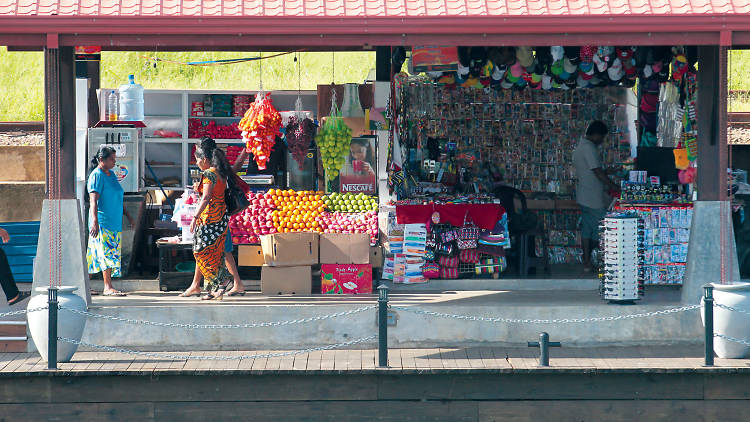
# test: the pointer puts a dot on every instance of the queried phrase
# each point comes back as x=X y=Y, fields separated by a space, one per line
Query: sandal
x=115 y=293
x=20 y=297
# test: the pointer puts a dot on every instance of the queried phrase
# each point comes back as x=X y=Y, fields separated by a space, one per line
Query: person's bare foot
x=237 y=289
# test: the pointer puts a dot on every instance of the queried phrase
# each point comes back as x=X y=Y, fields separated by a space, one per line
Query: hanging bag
x=469 y=256
x=234 y=196
x=431 y=270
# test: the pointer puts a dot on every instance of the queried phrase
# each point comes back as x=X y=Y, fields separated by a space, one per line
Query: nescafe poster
x=359 y=173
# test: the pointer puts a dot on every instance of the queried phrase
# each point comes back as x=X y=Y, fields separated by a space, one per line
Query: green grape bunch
x=333 y=139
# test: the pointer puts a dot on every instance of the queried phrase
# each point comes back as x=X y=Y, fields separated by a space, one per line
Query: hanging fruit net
x=260 y=126
x=299 y=136
x=334 y=139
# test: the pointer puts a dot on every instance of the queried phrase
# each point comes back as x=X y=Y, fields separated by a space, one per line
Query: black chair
x=524 y=229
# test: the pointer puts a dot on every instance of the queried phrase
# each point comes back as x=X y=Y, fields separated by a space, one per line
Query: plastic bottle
x=112 y=106
x=131 y=100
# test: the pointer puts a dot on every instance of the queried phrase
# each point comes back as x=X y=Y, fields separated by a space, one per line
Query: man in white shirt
x=592 y=185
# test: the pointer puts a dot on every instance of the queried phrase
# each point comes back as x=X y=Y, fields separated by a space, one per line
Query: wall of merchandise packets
x=666 y=237
x=528 y=135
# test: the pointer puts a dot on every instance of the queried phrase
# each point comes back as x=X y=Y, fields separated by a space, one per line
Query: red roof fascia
x=379 y=25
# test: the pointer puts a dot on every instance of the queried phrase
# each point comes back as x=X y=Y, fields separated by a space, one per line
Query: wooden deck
x=474 y=384
x=406 y=361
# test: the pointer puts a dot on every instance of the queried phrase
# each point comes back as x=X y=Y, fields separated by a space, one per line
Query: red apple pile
x=254 y=221
x=196 y=129
x=340 y=222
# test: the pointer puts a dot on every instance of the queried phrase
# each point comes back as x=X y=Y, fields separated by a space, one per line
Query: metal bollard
x=382 y=326
x=708 y=320
x=544 y=344
x=52 y=328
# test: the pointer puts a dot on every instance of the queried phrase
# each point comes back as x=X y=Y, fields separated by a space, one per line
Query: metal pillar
x=52 y=328
x=382 y=326
x=708 y=324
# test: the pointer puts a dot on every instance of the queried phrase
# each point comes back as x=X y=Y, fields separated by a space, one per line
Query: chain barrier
x=222 y=326
x=546 y=321
x=218 y=358
x=731 y=309
x=732 y=339
x=22 y=311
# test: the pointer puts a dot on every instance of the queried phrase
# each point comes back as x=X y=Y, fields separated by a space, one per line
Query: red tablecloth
x=485 y=216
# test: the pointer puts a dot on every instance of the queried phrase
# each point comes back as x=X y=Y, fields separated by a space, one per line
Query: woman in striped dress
x=211 y=220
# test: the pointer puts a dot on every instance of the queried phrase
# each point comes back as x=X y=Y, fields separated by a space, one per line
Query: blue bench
x=21 y=249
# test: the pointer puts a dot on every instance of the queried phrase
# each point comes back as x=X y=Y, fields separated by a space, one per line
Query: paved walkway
x=459 y=360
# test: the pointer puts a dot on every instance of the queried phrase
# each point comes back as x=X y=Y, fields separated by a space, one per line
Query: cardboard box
x=286 y=280
x=345 y=278
x=290 y=249
x=344 y=248
x=250 y=256
x=376 y=256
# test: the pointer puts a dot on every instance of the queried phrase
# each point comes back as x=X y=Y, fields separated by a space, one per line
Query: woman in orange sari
x=211 y=220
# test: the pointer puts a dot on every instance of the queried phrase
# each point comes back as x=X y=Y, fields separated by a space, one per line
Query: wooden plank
x=434 y=359
x=354 y=359
x=300 y=362
x=28 y=363
x=191 y=364
x=340 y=361
x=7 y=358
x=259 y=364
x=448 y=358
x=474 y=358
x=273 y=364
x=314 y=360
x=408 y=358
x=396 y=359
x=328 y=360
x=420 y=358
x=369 y=359
x=18 y=359
x=462 y=359
x=246 y=364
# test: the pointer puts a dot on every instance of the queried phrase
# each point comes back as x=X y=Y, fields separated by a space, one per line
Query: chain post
x=52 y=328
x=544 y=344
x=708 y=319
x=382 y=326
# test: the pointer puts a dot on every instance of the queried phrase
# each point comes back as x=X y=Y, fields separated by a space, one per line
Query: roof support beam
x=59 y=134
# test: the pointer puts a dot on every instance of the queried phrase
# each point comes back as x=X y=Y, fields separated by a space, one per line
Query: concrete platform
x=410 y=330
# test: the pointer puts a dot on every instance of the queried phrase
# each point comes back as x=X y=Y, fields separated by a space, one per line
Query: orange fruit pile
x=296 y=211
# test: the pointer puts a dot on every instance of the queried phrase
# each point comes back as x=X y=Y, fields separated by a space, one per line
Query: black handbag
x=234 y=197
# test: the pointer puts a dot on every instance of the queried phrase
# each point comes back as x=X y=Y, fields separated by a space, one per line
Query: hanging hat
x=544 y=55
x=582 y=83
x=557 y=68
x=573 y=53
x=499 y=72
x=557 y=53
x=587 y=68
x=477 y=60
x=601 y=65
x=571 y=83
x=516 y=70
x=657 y=66
x=435 y=75
x=615 y=70
x=506 y=84
x=525 y=56
x=587 y=53
x=569 y=66
x=546 y=82
x=536 y=78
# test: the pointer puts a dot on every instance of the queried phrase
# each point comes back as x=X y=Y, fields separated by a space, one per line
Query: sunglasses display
x=621 y=242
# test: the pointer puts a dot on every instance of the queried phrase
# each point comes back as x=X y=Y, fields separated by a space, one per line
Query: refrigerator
x=126 y=145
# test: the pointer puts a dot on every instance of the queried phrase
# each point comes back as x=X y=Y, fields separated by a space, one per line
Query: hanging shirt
x=109 y=205
x=589 y=189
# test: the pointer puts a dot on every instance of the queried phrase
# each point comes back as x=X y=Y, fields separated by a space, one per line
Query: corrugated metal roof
x=369 y=8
